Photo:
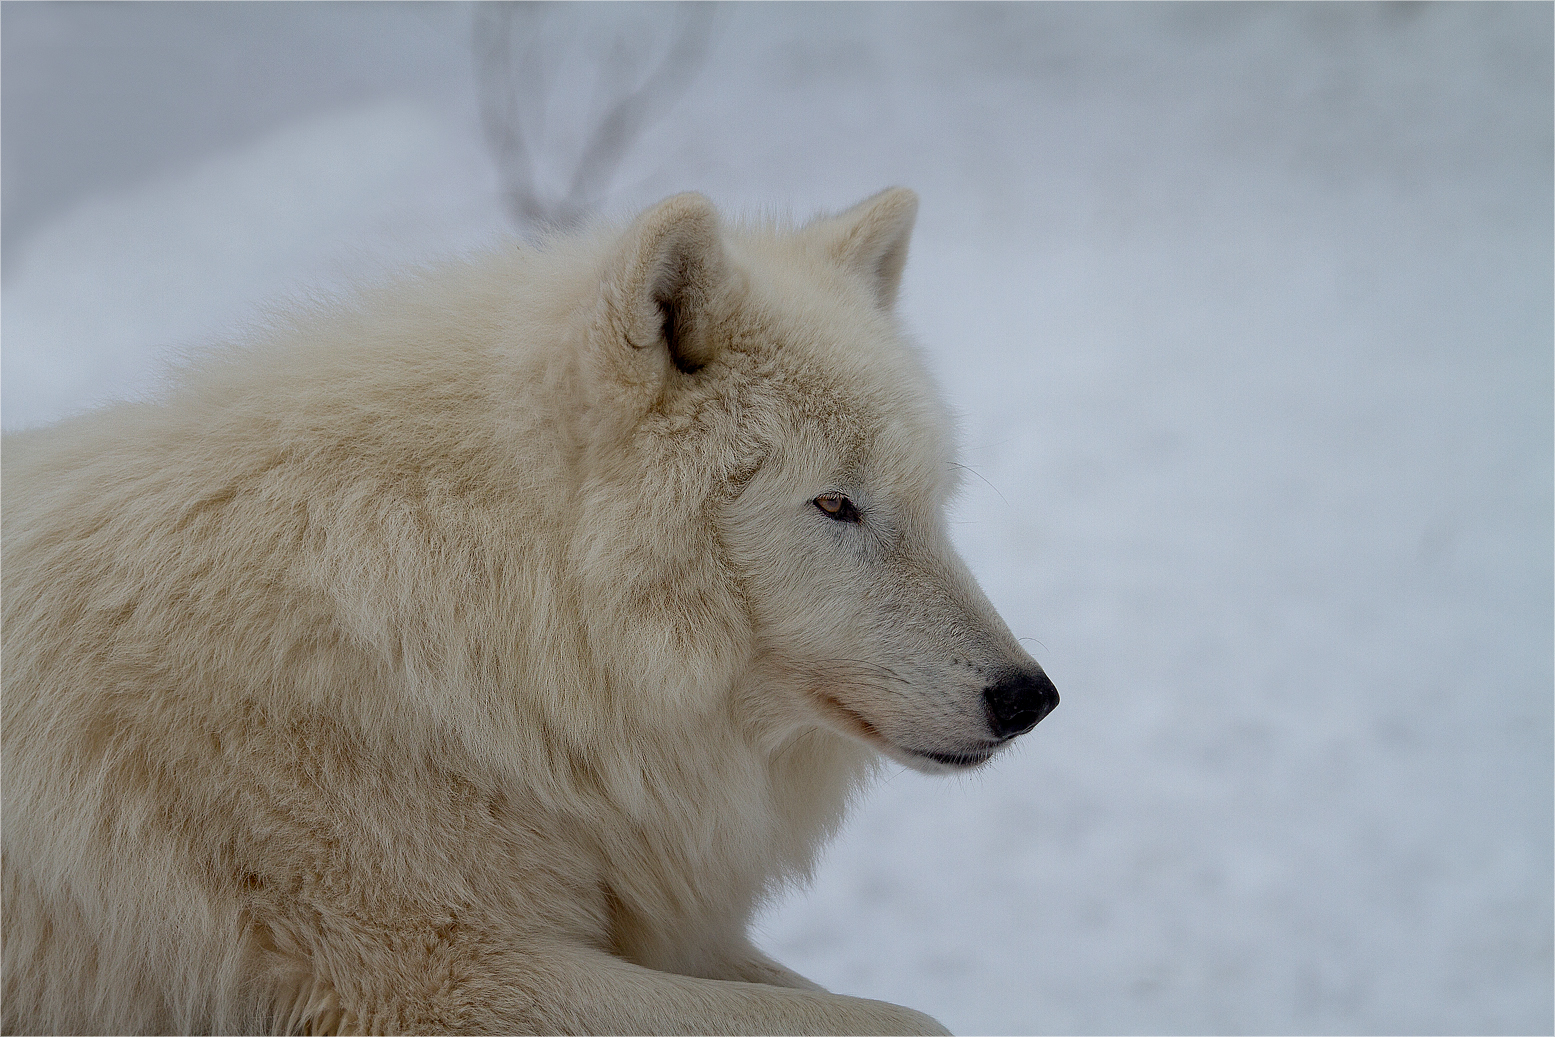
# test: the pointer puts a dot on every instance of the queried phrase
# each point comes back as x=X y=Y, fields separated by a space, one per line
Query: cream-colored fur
x=477 y=656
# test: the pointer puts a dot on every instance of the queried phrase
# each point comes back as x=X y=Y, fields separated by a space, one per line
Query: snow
x=1247 y=311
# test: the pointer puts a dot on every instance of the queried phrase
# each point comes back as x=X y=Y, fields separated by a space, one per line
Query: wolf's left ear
x=671 y=266
x=870 y=239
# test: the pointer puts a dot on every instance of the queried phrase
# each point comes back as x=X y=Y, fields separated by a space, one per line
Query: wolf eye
x=836 y=506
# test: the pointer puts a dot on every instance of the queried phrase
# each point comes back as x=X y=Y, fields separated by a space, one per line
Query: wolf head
x=769 y=469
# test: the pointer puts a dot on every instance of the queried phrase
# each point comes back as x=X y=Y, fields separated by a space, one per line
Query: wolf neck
x=720 y=826
x=679 y=814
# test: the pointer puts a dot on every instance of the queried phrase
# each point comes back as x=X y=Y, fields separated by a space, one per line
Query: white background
x=1248 y=315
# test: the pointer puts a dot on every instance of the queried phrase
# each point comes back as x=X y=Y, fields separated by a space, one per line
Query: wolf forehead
x=781 y=330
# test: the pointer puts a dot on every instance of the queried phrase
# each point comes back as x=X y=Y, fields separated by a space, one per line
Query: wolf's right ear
x=871 y=238
x=669 y=269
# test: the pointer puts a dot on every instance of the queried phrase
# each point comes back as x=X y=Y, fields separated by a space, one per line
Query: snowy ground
x=1248 y=312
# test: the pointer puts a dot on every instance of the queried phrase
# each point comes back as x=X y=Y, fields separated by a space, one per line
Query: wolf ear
x=672 y=264
x=870 y=239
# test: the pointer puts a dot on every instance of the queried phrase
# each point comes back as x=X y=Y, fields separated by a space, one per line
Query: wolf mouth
x=964 y=758
x=852 y=719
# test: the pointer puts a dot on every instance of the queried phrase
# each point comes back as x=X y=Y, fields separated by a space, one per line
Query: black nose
x=1017 y=703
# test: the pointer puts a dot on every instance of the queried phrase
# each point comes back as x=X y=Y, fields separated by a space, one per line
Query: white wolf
x=478 y=656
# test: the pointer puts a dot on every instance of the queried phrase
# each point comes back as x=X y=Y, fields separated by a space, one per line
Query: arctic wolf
x=476 y=657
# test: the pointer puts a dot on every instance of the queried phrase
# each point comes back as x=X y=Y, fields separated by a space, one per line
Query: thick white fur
x=474 y=657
